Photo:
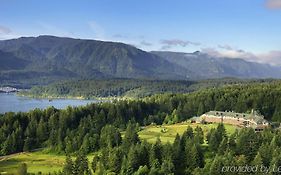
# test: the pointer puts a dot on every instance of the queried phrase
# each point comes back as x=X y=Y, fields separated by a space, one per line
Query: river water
x=13 y=103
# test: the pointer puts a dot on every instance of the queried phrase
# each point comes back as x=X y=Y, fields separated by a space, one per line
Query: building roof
x=259 y=119
x=197 y=119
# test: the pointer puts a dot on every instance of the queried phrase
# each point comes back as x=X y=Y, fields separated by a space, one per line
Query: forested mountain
x=11 y=62
x=207 y=66
x=44 y=59
x=49 y=56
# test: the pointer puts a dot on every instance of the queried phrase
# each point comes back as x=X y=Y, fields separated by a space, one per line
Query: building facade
x=253 y=119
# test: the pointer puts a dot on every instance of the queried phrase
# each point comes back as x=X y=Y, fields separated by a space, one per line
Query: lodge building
x=253 y=119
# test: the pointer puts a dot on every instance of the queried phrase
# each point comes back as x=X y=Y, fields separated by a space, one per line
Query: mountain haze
x=207 y=66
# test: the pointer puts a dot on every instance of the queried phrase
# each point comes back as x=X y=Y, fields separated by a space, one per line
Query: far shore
x=75 y=97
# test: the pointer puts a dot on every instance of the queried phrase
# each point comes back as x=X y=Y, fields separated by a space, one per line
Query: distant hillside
x=129 y=87
x=11 y=62
x=110 y=88
x=49 y=56
x=207 y=66
x=45 y=59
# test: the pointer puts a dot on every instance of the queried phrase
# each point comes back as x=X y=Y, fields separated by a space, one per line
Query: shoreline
x=75 y=97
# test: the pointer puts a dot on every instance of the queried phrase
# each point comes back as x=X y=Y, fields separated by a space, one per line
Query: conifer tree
x=275 y=163
x=81 y=164
x=199 y=135
x=27 y=144
x=115 y=160
x=132 y=161
x=131 y=136
x=197 y=156
x=223 y=146
x=167 y=167
x=68 y=168
x=265 y=153
x=216 y=166
x=258 y=163
x=155 y=154
x=143 y=170
x=179 y=157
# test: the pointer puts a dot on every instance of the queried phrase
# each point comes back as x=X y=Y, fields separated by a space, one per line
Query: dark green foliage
x=111 y=88
x=185 y=156
x=133 y=162
x=223 y=146
x=276 y=161
x=81 y=165
x=110 y=137
x=95 y=162
x=115 y=160
x=258 y=160
x=78 y=167
x=96 y=128
x=248 y=143
x=139 y=88
x=69 y=166
x=156 y=152
x=199 y=135
x=143 y=170
x=131 y=136
x=215 y=137
x=216 y=166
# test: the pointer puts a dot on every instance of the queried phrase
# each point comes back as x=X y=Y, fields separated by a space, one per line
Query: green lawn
x=36 y=162
x=151 y=133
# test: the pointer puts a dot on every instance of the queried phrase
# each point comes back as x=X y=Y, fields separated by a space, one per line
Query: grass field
x=167 y=133
x=36 y=162
x=44 y=162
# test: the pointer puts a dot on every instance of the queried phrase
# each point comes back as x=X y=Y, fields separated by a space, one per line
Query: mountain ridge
x=89 y=58
x=219 y=67
x=54 y=58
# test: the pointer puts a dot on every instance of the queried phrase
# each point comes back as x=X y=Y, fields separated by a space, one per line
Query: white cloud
x=233 y=52
x=145 y=43
x=226 y=46
x=271 y=57
x=169 y=43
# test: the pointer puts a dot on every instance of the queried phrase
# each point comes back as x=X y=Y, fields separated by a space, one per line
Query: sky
x=248 y=29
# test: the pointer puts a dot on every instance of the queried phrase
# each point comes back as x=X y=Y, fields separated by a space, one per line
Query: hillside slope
x=67 y=57
x=207 y=66
x=44 y=59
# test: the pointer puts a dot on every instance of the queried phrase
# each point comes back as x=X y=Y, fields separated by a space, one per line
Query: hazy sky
x=250 y=29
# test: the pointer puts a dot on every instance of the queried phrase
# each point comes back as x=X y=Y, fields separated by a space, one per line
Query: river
x=13 y=103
